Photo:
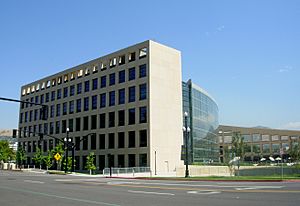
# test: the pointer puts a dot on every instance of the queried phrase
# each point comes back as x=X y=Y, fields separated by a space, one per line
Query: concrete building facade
x=260 y=142
x=131 y=99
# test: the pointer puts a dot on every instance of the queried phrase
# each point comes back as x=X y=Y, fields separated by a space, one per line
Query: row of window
x=65 y=78
x=89 y=103
x=110 y=141
x=88 y=86
x=104 y=161
x=88 y=122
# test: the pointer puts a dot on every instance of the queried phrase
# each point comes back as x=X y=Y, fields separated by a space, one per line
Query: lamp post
x=186 y=131
x=67 y=140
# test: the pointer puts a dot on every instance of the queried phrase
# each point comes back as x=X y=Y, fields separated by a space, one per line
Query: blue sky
x=244 y=53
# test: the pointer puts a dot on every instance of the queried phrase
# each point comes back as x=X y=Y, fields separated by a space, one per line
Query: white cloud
x=291 y=126
x=221 y=28
x=285 y=69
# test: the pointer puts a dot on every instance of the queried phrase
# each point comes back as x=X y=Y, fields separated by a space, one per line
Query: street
x=32 y=189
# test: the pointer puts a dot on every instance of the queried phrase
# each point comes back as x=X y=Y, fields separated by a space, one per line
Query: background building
x=203 y=121
x=260 y=142
x=131 y=99
x=6 y=135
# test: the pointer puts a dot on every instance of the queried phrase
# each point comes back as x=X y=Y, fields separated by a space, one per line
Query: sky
x=243 y=53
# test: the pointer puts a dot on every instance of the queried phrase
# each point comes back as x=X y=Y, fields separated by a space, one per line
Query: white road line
x=206 y=192
x=152 y=193
x=33 y=181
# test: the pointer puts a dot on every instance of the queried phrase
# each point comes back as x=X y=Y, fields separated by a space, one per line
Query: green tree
x=21 y=156
x=60 y=150
x=48 y=160
x=38 y=157
x=69 y=166
x=6 y=153
x=238 y=145
x=90 y=162
x=294 y=151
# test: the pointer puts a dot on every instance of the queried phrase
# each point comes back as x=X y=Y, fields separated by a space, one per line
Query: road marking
x=153 y=193
x=60 y=197
x=204 y=192
x=34 y=181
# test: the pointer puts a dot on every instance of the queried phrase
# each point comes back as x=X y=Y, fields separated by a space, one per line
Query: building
x=6 y=135
x=131 y=99
x=260 y=142
x=202 y=119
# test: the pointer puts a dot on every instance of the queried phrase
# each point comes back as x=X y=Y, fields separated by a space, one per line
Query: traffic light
x=14 y=135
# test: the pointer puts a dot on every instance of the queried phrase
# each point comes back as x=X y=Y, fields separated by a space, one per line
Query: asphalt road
x=39 y=189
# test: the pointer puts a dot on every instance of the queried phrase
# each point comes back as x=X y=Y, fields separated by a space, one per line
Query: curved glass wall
x=203 y=121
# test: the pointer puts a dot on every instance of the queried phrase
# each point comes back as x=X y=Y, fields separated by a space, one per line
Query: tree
x=38 y=157
x=294 y=151
x=48 y=160
x=69 y=165
x=60 y=150
x=238 y=148
x=6 y=153
x=90 y=162
x=21 y=156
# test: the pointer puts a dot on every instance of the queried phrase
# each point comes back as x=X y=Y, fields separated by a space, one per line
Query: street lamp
x=67 y=140
x=186 y=131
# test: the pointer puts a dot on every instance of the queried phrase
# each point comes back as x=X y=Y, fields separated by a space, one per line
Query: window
x=143 y=138
x=102 y=120
x=79 y=88
x=51 y=128
x=80 y=73
x=78 y=124
x=143 y=160
x=121 y=115
x=121 y=96
x=77 y=143
x=94 y=122
x=85 y=143
x=57 y=127
x=103 y=66
x=85 y=123
x=143 y=91
x=73 y=74
x=52 y=96
x=122 y=76
x=64 y=108
x=51 y=111
x=256 y=137
x=103 y=82
x=143 y=70
x=122 y=60
x=131 y=139
x=45 y=128
x=101 y=162
x=131 y=160
x=65 y=92
x=59 y=80
x=102 y=100
x=112 y=79
x=78 y=105
x=47 y=97
x=112 y=98
x=95 y=69
x=63 y=126
x=101 y=141
x=87 y=71
x=37 y=99
x=58 y=110
x=86 y=104
x=121 y=140
x=131 y=57
x=143 y=52
x=72 y=90
x=37 y=111
x=94 y=102
x=93 y=141
x=66 y=77
x=131 y=116
x=131 y=91
x=71 y=125
x=111 y=141
x=86 y=86
x=58 y=94
x=121 y=161
x=131 y=74
x=113 y=62
x=95 y=84
x=143 y=114
x=71 y=107
x=30 y=116
x=111 y=119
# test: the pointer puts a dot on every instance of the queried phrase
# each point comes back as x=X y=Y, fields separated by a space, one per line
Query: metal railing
x=127 y=170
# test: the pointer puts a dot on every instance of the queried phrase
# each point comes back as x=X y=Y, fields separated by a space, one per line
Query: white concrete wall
x=165 y=108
